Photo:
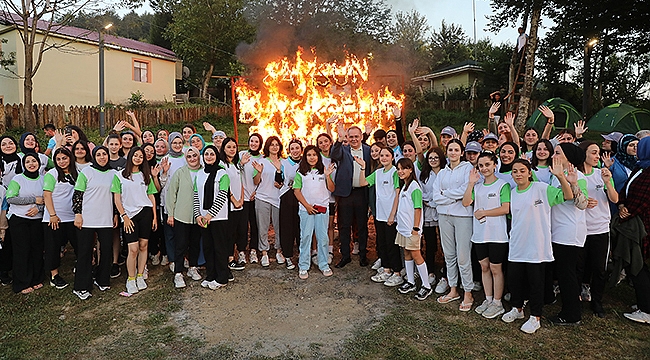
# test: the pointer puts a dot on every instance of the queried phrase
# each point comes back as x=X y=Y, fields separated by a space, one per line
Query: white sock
x=489 y=298
x=410 y=277
x=314 y=252
x=424 y=275
x=330 y=248
x=496 y=302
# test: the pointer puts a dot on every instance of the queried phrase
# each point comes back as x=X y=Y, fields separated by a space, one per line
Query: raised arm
x=550 y=120
x=509 y=119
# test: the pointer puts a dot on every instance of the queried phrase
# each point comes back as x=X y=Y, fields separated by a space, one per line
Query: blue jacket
x=345 y=167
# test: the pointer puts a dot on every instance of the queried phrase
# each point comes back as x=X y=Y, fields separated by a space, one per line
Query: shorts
x=409 y=243
x=332 y=208
x=496 y=252
x=142 y=222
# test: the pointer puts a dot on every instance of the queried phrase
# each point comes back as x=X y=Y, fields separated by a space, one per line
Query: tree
x=449 y=46
x=42 y=12
x=410 y=41
x=206 y=32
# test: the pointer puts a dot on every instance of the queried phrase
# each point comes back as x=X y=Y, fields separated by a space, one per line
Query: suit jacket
x=342 y=155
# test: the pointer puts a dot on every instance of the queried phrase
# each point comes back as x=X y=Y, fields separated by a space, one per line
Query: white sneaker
x=381 y=270
x=280 y=258
x=179 y=282
x=164 y=261
x=303 y=274
x=376 y=265
x=394 y=280
x=380 y=277
x=205 y=284
x=493 y=310
x=186 y=263
x=290 y=264
x=355 y=249
x=171 y=266
x=82 y=294
x=253 y=256
x=442 y=287
x=585 y=294
x=330 y=257
x=531 y=325
x=155 y=259
x=481 y=308
x=194 y=274
x=131 y=287
x=265 y=261
x=140 y=283
x=477 y=286
x=512 y=315
x=214 y=285
x=432 y=279
x=242 y=257
x=638 y=316
x=145 y=273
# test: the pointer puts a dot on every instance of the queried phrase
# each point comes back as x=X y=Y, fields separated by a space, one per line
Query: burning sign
x=297 y=97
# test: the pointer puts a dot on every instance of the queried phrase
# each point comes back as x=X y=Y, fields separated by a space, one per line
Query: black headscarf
x=31 y=174
x=574 y=154
x=95 y=164
x=211 y=170
x=504 y=168
x=8 y=158
x=255 y=152
x=22 y=143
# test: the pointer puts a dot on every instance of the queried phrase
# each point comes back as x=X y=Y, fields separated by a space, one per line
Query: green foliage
x=6 y=60
x=132 y=25
x=137 y=100
x=449 y=46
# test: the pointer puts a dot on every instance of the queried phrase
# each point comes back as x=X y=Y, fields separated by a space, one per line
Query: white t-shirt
x=135 y=193
x=235 y=176
x=9 y=173
x=97 y=206
x=543 y=174
x=409 y=200
x=22 y=186
x=386 y=184
x=221 y=182
x=266 y=190
x=43 y=159
x=487 y=197
x=248 y=174
x=313 y=187
x=326 y=163
x=568 y=223
x=289 y=169
x=61 y=196
x=598 y=217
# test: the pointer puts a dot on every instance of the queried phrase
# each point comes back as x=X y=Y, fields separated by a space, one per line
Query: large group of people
x=528 y=220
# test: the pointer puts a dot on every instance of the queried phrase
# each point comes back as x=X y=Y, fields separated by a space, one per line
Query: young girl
x=237 y=225
x=435 y=161
x=10 y=162
x=116 y=158
x=507 y=154
x=211 y=214
x=541 y=159
x=312 y=186
x=169 y=165
x=58 y=220
x=386 y=188
x=92 y=204
x=128 y=141
x=156 y=240
x=28 y=144
x=409 y=230
x=491 y=198
x=247 y=157
x=324 y=142
x=269 y=180
x=147 y=137
x=289 y=220
x=25 y=197
x=592 y=262
x=82 y=155
x=531 y=137
x=530 y=248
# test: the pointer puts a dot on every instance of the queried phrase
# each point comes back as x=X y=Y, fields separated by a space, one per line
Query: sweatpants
x=592 y=267
x=566 y=258
x=186 y=237
x=54 y=240
x=388 y=251
x=526 y=281
x=251 y=219
x=289 y=223
x=27 y=252
x=83 y=276
x=216 y=251
x=237 y=230
x=455 y=235
x=6 y=253
x=641 y=282
x=430 y=239
x=267 y=214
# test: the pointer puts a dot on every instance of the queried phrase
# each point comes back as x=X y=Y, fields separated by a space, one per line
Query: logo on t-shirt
x=599 y=187
x=492 y=195
x=538 y=202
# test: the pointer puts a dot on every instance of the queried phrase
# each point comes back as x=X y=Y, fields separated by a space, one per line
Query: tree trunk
x=28 y=86
x=206 y=82
x=601 y=71
x=524 y=100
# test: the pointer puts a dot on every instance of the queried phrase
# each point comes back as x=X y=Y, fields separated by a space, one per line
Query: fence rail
x=11 y=116
x=470 y=105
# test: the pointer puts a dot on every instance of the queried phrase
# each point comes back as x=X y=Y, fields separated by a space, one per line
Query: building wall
x=451 y=82
x=9 y=84
x=70 y=76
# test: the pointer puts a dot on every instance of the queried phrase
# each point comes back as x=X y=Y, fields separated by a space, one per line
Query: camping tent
x=620 y=117
x=565 y=114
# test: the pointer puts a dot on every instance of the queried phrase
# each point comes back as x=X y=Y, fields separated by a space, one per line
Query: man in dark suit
x=352 y=198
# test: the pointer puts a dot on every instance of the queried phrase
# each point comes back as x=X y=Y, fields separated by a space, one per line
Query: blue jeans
x=310 y=224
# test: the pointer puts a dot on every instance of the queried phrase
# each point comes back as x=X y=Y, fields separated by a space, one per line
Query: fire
x=297 y=97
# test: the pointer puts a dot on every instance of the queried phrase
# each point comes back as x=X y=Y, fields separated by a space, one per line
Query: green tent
x=565 y=115
x=620 y=117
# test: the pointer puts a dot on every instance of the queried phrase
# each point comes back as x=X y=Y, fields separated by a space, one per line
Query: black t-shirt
x=118 y=164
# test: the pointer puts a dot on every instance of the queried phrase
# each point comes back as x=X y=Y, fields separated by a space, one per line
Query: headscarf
x=95 y=164
x=574 y=154
x=643 y=153
x=23 y=149
x=153 y=160
x=31 y=174
x=211 y=170
x=202 y=141
x=192 y=149
x=164 y=142
x=8 y=158
x=171 y=138
x=504 y=168
x=255 y=152
x=621 y=152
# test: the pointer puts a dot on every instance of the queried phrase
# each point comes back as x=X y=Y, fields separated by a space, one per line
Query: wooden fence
x=470 y=105
x=11 y=116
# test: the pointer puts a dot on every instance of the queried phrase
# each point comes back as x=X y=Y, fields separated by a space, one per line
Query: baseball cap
x=473 y=146
x=490 y=136
x=613 y=136
x=448 y=130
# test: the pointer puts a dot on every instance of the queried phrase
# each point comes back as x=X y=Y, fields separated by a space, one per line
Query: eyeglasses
x=434 y=158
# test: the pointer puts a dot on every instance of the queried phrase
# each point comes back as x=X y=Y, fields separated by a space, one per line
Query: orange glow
x=298 y=97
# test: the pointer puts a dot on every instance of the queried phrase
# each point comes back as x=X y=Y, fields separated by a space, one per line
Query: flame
x=298 y=97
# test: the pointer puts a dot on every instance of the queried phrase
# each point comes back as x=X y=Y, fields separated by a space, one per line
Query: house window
x=141 y=70
x=2 y=100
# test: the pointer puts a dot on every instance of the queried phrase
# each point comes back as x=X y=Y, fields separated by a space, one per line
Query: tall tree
x=410 y=41
x=449 y=45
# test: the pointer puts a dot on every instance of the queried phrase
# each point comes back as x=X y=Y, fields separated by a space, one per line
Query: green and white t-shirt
x=22 y=186
x=135 y=193
x=249 y=173
x=568 y=223
x=235 y=176
x=386 y=182
x=221 y=182
x=97 y=206
x=598 y=217
x=487 y=197
x=409 y=200
x=313 y=187
x=61 y=196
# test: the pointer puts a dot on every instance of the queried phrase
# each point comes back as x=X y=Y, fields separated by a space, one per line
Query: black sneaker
x=236 y=266
x=556 y=320
x=82 y=294
x=231 y=277
x=121 y=260
x=58 y=282
x=115 y=271
x=406 y=288
x=423 y=293
x=5 y=279
x=102 y=288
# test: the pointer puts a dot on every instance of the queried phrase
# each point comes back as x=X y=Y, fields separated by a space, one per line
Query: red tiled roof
x=91 y=36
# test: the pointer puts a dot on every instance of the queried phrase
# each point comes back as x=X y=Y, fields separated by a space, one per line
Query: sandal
x=465 y=307
x=27 y=290
x=38 y=286
x=444 y=299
